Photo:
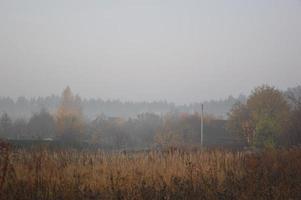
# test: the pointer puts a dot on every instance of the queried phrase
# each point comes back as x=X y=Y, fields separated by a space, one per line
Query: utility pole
x=202 y=125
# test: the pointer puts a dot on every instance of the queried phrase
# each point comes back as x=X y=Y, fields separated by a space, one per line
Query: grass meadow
x=172 y=174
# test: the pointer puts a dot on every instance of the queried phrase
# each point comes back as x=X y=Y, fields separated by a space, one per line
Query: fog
x=180 y=51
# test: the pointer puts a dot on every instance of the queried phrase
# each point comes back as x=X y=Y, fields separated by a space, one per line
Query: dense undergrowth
x=210 y=174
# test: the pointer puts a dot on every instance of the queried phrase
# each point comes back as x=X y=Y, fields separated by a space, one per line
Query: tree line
x=24 y=108
x=267 y=118
x=145 y=130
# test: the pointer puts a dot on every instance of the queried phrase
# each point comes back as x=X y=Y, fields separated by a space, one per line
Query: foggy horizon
x=15 y=98
x=150 y=99
x=178 y=51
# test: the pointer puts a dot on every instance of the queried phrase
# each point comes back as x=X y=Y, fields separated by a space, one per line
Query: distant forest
x=24 y=108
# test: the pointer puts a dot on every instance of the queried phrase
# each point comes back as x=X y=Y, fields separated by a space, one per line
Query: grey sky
x=181 y=51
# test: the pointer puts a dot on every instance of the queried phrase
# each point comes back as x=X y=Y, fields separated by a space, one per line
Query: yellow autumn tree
x=69 y=118
x=262 y=119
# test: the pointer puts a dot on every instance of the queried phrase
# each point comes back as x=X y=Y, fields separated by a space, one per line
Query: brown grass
x=44 y=174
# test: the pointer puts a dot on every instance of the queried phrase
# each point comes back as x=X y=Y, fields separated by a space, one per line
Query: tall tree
x=19 y=129
x=42 y=125
x=263 y=119
x=5 y=126
x=293 y=134
x=69 y=116
x=240 y=123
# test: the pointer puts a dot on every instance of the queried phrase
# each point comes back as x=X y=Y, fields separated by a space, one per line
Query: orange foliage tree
x=69 y=118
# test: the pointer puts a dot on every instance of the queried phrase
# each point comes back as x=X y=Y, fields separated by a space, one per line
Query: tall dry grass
x=43 y=174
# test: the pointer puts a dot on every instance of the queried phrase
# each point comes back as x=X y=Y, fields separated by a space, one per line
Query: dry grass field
x=212 y=174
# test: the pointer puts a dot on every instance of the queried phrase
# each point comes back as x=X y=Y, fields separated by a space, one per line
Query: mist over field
x=150 y=99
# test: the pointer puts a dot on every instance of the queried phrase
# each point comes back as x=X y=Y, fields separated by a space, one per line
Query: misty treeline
x=24 y=108
x=146 y=130
x=268 y=117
